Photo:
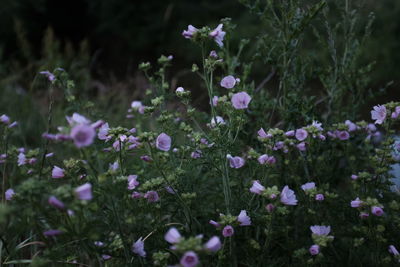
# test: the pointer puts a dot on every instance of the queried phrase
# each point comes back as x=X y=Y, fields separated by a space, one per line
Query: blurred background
x=100 y=43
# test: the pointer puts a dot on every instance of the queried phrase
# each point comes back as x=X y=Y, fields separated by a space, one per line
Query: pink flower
x=57 y=172
x=151 y=196
x=84 y=192
x=172 y=236
x=53 y=201
x=356 y=203
x=9 y=194
x=257 y=188
x=393 y=250
x=132 y=182
x=288 y=197
x=243 y=218
x=189 y=259
x=377 y=211
x=319 y=197
x=240 y=100
x=228 y=231
x=235 y=162
x=189 y=33
x=314 y=250
x=213 y=245
x=320 y=230
x=228 y=82
x=218 y=35
x=138 y=248
x=163 y=142
x=308 y=186
x=301 y=134
x=83 y=135
x=378 y=114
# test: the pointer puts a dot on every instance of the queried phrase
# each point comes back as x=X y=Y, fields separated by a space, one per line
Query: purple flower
x=290 y=133
x=257 y=188
x=319 y=197
x=378 y=114
x=52 y=232
x=189 y=259
x=263 y=159
x=393 y=250
x=215 y=101
x=114 y=166
x=21 y=159
x=103 y=132
x=132 y=182
x=50 y=76
x=228 y=231
x=163 y=142
x=342 y=135
x=377 y=211
x=5 y=119
x=172 y=236
x=314 y=250
x=235 y=162
x=218 y=35
x=188 y=34
x=151 y=196
x=196 y=154
x=180 y=90
x=262 y=134
x=84 y=192
x=320 y=230
x=214 y=223
x=243 y=218
x=9 y=194
x=356 y=203
x=57 y=172
x=217 y=121
x=350 y=125
x=301 y=134
x=288 y=197
x=83 y=135
x=270 y=207
x=213 y=245
x=308 y=186
x=364 y=215
x=354 y=177
x=228 y=82
x=138 y=248
x=146 y=158
x=301 y=146
x=240 y=100
x=53 y=201
x=105 y=257
x=98 y=244
x=213 y=54
x=77 y=119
